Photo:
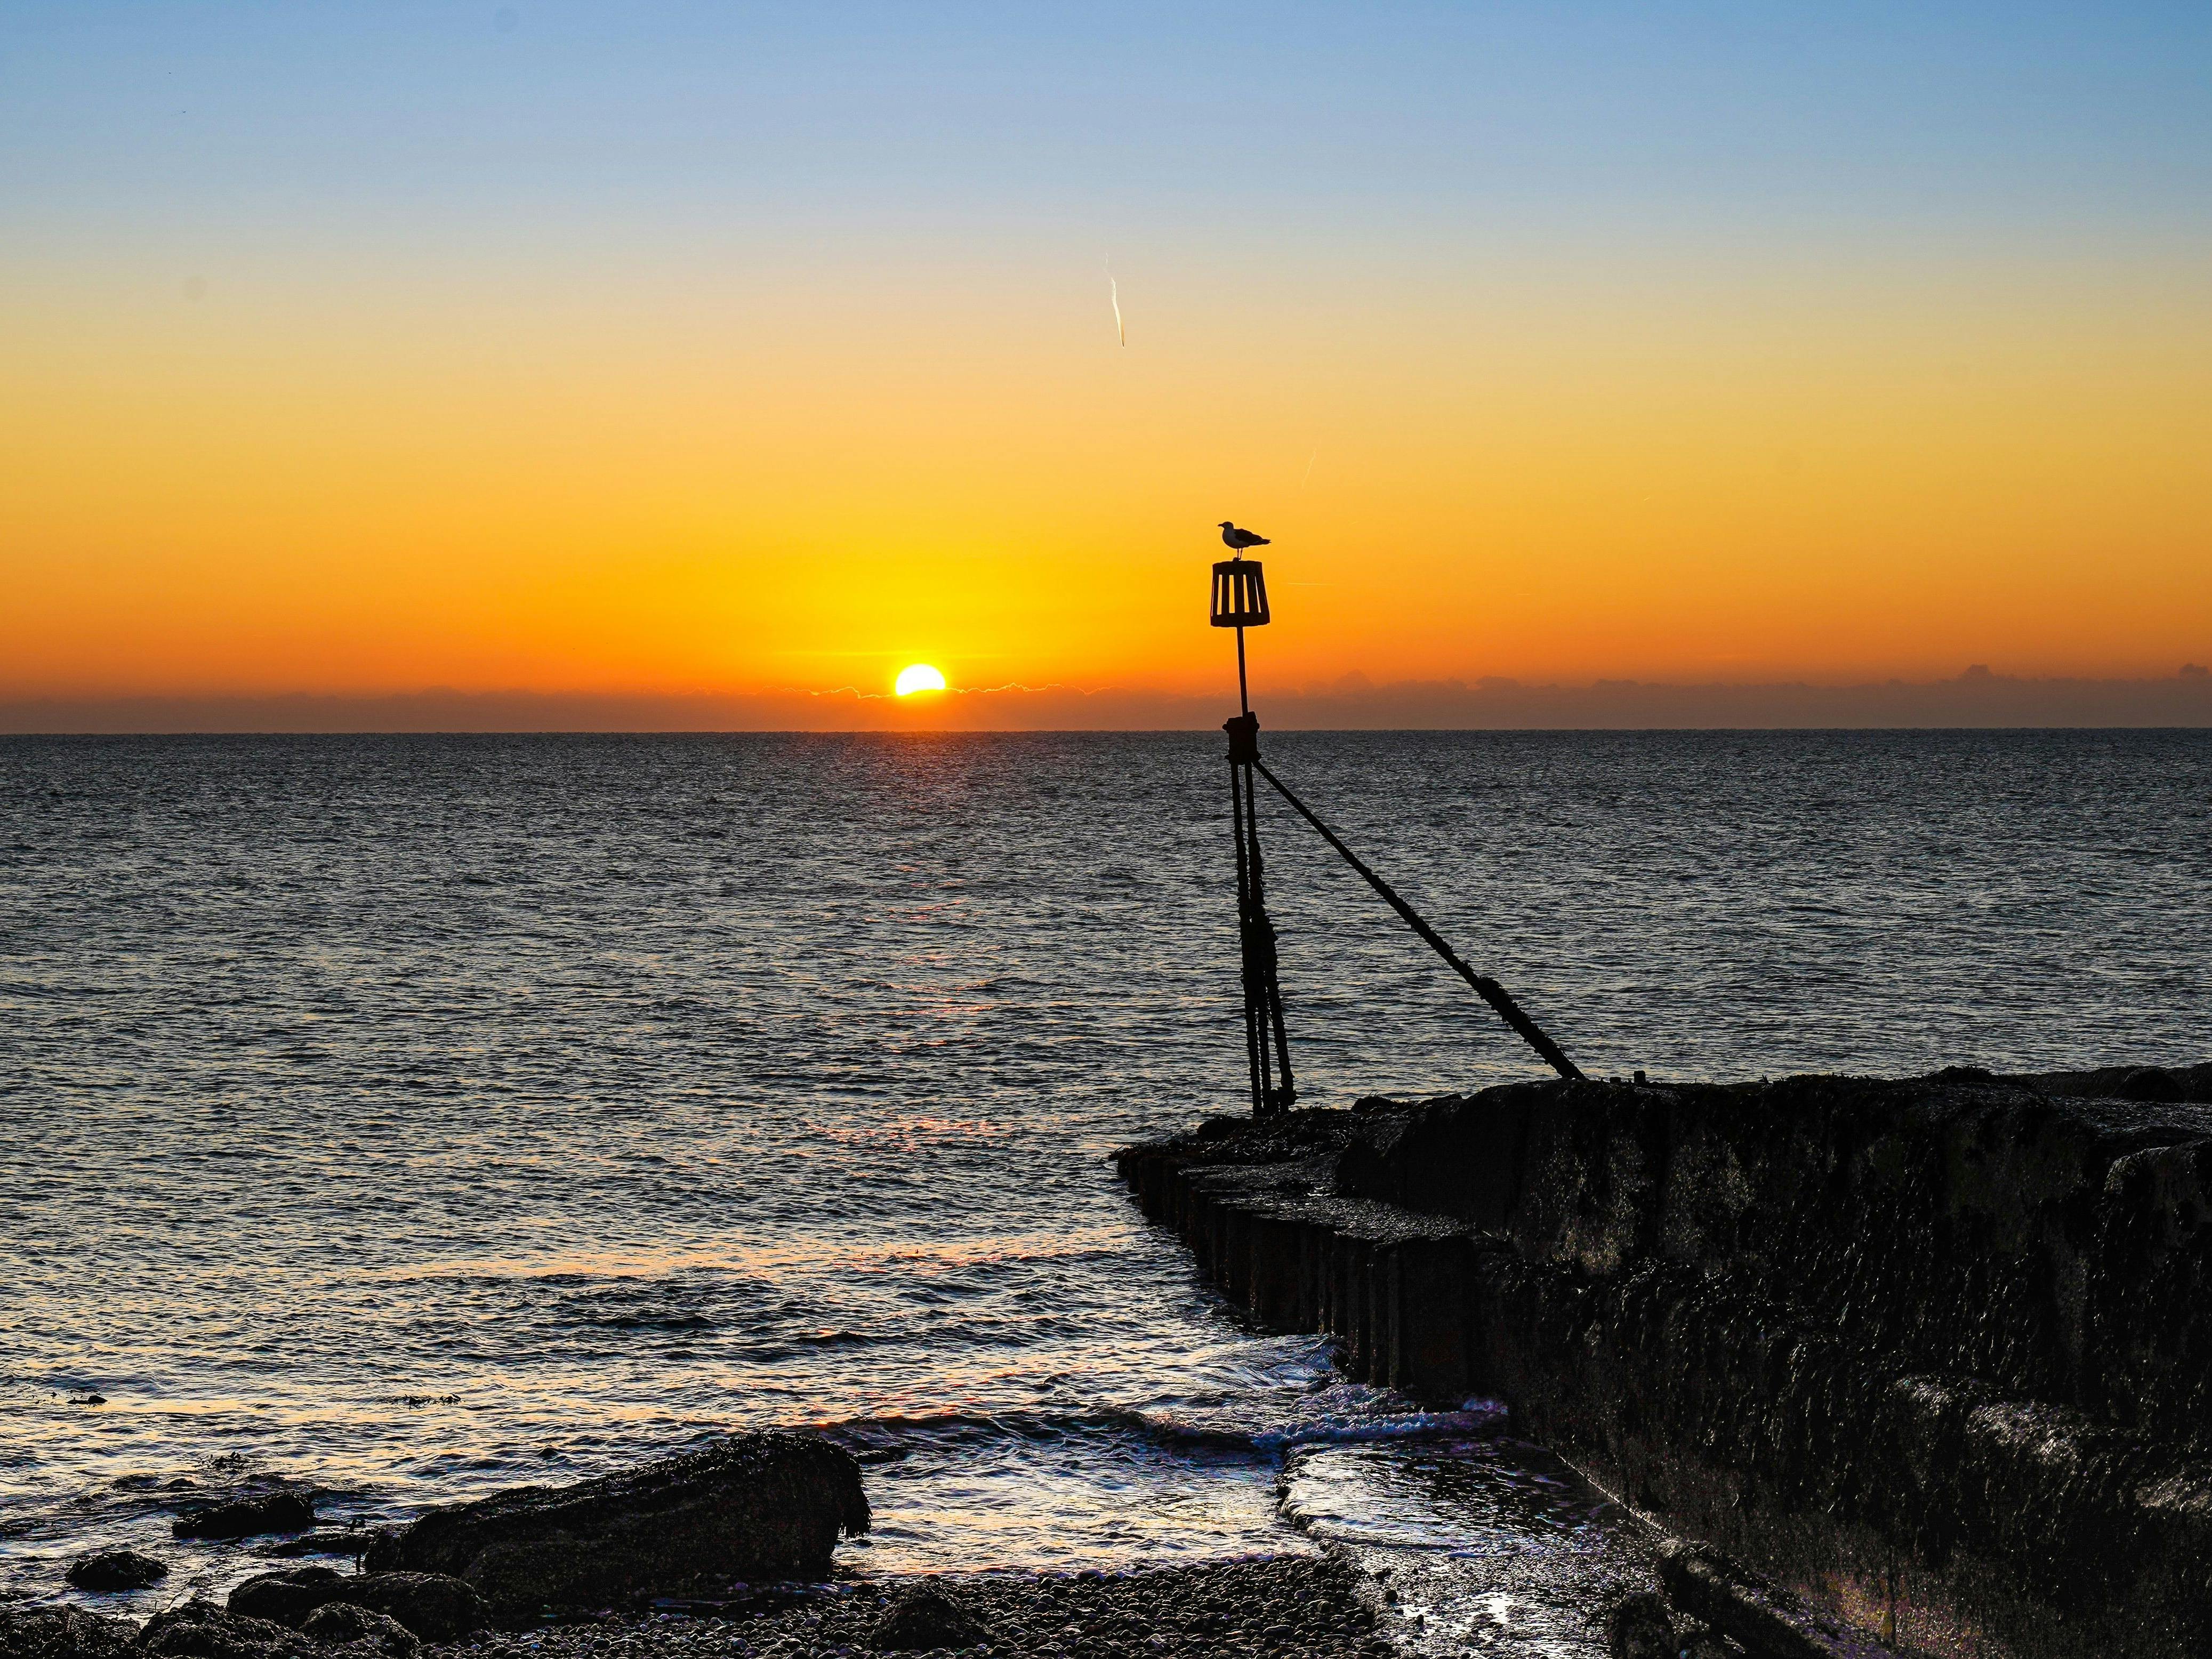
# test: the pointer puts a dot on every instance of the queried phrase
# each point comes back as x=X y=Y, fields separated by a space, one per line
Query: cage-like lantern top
x=1240 y=594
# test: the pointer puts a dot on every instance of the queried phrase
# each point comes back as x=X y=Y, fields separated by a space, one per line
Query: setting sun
x=918 y=676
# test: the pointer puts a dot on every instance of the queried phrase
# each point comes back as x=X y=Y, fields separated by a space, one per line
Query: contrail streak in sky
x=1113 y=292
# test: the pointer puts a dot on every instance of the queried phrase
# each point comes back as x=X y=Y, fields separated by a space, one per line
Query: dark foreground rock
x=751 y=1507
x=117 y=1569
x=1292 y=1608
x=342 y=1624
x=285 y=1597
x=247 y=1517
x=62 y=1633
x=329 y=1541
x=201 y=1630
x=926 y=1616
x=435 y=1607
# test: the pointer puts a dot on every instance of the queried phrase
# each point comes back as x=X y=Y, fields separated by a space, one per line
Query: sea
x=407 y=1118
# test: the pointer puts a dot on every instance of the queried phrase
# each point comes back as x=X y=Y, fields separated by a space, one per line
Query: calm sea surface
x=412 y=1117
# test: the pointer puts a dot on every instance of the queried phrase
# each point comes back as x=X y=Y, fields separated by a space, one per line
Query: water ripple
x=408 y=1117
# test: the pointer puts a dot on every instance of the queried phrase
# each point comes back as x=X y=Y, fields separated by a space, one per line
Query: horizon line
x=1977 y=700
x=6 y=736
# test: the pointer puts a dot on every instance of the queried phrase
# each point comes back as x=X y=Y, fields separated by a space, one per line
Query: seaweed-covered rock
x=925 y=1616
x=61 y=1633
x=117 y=1569
x=753 y=1507
x=329 y=1541
x=245 y=1517
x=433 y=1606
x=372 y=1635
x=2153 y=1084
x=201 y=1630
x=285 y=1597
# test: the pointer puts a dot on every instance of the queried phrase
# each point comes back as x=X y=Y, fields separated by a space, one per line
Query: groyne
x=1937 y=1350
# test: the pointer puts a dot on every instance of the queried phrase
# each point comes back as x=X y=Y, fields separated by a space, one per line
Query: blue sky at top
x=115 y=118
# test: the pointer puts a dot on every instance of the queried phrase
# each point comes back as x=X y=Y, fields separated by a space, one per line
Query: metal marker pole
x=1240 y=785
x=1238 y=599
x=1263 y=992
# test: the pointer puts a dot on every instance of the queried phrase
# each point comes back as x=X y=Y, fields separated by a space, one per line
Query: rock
x=327 y=1542
x=1639 y=1626
x=2153 y=1085
x=753 y=1507
x=117 y=1569
x=276 y=1511
x=1703 y=1642
x=285 y=1597
x=343 y=1624
x=201 y=1630
x=435 y=1607
x=926 y=1617
x=62 y=1633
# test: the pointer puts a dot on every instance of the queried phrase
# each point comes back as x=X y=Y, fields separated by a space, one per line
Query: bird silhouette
x=1240 y=540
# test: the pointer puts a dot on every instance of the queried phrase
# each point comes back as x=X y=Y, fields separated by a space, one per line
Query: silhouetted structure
x=1240 y=601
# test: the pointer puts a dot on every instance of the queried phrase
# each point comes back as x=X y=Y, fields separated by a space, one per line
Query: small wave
x=895 y=1433
x=652 y=1322
x=1258 y=1424
x=1338 y=1414
x=1479 y=1418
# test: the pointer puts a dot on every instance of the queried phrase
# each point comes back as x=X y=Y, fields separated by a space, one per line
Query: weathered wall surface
x=1951 y=1334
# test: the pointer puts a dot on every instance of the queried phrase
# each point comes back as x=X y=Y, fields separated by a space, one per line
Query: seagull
x=1240 y=540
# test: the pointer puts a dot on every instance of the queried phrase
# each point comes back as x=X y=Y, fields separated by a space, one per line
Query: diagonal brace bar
x=1486 y=987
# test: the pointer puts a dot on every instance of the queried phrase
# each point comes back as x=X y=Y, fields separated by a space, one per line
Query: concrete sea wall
x=1939 y=1348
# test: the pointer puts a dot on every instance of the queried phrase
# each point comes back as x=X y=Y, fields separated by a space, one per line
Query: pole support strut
x=1486 y=987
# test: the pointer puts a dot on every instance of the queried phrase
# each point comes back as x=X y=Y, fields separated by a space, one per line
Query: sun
x=918 y=676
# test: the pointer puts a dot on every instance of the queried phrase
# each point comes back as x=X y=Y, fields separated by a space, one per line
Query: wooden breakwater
x=1939 y=1348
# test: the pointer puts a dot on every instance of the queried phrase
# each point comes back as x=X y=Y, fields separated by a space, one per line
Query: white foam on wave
x=1337 y=1413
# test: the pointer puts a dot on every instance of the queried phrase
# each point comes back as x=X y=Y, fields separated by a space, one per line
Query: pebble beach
x=1284 y=1606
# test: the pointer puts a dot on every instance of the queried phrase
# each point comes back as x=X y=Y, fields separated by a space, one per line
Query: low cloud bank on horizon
x=1975 y=698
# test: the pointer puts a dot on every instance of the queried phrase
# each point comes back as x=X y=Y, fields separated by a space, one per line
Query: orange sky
x=362 y=444
x=1705 y=474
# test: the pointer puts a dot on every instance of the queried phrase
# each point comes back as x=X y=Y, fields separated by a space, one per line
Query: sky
x=725 y=350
